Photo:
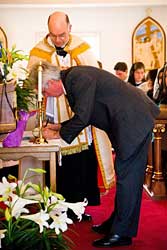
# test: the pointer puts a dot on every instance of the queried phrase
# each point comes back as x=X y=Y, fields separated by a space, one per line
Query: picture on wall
x=3 y=39
x=148 y=44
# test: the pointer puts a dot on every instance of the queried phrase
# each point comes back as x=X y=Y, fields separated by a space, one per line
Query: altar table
x=42 y=152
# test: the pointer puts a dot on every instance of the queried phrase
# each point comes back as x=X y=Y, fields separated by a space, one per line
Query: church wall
x=114 y=26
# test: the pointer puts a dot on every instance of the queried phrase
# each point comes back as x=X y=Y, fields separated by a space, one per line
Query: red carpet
x=152 y=234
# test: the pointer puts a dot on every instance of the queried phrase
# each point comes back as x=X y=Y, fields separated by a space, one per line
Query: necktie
x=60 y=51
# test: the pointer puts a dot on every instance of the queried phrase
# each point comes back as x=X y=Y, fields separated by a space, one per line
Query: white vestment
x=78 y=53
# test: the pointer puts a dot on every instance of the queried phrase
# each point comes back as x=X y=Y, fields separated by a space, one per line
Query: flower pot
x=14 y=138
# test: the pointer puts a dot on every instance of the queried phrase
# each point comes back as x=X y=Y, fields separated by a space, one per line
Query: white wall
x=114 y=25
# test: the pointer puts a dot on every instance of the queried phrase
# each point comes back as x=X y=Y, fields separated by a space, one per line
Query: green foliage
x=9 y=57
x=24 y=234
x=10 y=69
x=33 y=220
x=25 y=96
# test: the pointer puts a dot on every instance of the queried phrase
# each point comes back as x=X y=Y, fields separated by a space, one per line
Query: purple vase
x=14 y=138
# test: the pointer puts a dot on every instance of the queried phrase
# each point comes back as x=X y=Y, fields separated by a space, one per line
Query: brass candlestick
x=39 y=137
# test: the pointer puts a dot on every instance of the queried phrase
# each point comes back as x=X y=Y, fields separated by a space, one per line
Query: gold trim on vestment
x=48 y=44
x=80 y=49
x=41 y=54
x=58 y=108
x=99 y=157
x=104 y=171
x=73 y=149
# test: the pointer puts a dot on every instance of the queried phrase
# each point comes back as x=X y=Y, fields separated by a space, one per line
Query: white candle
x=40 y=82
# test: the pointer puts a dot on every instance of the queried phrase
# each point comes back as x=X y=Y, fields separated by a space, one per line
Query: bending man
x=104 y=101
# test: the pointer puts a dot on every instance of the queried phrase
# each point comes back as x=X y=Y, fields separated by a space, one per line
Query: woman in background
x=137 y=74
x=137 y=77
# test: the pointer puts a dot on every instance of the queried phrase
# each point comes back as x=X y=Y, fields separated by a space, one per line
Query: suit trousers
x=129 y=185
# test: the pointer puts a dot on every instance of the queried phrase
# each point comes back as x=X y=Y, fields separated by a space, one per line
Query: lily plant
x=12 y=69
x=33 y=217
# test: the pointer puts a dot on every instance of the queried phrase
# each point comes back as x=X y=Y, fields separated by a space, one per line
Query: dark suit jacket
x=100 y=99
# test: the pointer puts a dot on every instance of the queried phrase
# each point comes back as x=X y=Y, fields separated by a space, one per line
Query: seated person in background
x=137 y=76
x=121 y=70
x=160 y=86
x=150 y=79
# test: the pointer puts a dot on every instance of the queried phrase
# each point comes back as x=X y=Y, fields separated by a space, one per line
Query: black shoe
x=113 y=240
x=86 y=217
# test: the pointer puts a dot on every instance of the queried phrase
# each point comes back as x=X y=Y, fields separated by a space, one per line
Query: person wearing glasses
x=77 y=178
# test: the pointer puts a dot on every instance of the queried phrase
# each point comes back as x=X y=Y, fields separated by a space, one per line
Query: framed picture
x=149 y=44
x=3 y=39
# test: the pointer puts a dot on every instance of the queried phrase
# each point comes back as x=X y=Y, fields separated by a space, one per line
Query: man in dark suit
x=127 y=115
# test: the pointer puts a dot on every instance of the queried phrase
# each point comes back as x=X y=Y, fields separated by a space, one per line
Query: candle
x=40 y=82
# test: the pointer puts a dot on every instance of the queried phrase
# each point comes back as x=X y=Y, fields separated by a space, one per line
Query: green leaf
x=37 y=170
x=59 y=196
x=36 y=187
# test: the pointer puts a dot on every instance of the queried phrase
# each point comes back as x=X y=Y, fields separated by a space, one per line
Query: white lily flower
x=39 y=218
x=78 y=207
x=53 y=199
x=58 y=209
x=53 y=216
x=16 y=72
x=7 y=188
x=60 y=223
x=17 y=205
x=2 y=235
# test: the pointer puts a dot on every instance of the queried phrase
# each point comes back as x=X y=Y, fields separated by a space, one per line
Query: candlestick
x=40 y=82
x=39 y=139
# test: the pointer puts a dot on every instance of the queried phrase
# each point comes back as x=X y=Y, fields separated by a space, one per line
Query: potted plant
x=12 y=70
x=16 y=96
x=33 y=217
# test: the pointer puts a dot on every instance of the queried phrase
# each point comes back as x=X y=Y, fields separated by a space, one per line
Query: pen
x=47 y=121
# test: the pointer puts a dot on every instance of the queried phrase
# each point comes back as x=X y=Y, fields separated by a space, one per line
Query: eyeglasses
x=61 y=36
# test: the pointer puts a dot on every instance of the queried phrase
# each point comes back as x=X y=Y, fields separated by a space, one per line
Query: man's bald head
x=59 y=28
x=59 y=15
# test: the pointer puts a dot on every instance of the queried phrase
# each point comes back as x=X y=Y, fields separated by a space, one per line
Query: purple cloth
x=14 y=138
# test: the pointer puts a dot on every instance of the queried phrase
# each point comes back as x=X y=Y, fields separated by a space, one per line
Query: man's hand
x=55 y=126
x=50 y=133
